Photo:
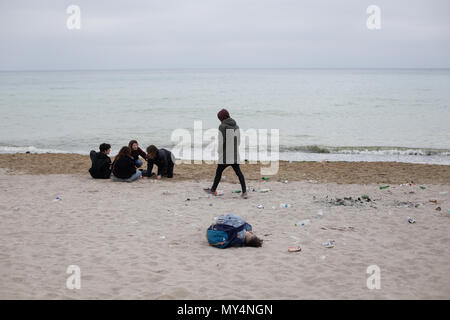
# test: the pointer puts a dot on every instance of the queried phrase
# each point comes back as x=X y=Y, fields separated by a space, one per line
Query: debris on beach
x=406 y=204
x=265 y=178
x=411 y=220
x=339 y=228
x=348 y=201
x=433 y=201
x=319 y=213
x=294 y=249
x=303 y=223
x=264 y=190
x=383 y=187
x=422 y=187
x=448 y=211
x=286 y=181
x=443 y=193
x=57 y=199
x=438 y=209
x=260 y=206
x=329 y=244
x=285 y=205
x=236 y=191
x=253 y=189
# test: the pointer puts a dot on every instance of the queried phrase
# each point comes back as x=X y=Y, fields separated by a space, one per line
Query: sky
x=132 y=34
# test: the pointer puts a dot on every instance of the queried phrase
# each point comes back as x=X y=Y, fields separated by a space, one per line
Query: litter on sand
x=411 y=220
x=438 y=209
x=57 y=199
x=264 y=190
x=422 y=187
x=383 y=187
x=294 y=249
x=329 y=244
x=433 y=201
x=265 y=178
x=260 y=206
x=303 y=223
x=285 y=205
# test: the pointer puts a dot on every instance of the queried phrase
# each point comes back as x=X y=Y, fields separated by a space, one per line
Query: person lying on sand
x=124 y=167
x=136 y=152
x=228 y=133
x=101 y=163
x=231 y=231
x=163 y=159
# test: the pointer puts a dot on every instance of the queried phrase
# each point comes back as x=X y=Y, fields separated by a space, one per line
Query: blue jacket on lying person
x=231 y=231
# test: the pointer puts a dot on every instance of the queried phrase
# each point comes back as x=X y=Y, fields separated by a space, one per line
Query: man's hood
x=229 y=123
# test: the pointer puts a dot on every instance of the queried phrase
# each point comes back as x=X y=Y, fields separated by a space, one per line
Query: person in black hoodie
x=163 y=159
x=124 y=167
x=228 y=155
x=101 y=163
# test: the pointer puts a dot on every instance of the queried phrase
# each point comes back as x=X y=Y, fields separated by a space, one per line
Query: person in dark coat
x=101 y=163
x=124 y=167
x=163 y=159
x=228 y=155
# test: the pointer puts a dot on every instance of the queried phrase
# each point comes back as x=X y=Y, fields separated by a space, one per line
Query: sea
x=322 y=114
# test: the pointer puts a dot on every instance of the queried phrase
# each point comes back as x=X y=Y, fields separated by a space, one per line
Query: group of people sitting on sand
x=126 y=164
x=226 y=231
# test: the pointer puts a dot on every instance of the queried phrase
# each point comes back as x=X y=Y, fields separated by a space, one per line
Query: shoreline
x=334 y=171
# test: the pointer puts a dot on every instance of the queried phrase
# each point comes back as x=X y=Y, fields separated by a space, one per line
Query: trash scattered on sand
x=438 y=209
x=329 y=244
x=383 y=187
x=448 y=211
x=285 y=205
x=411 y=220
x=366 y=197
x=422 y=187
x=406 y=204
x=339 y=228
x=319 y=213
x=348 y=201
x=162 y=237
x=443 y=193
x=260 y=206
x=57 y=199
x=236 y=191
x=264 y=190
x=303 y=223
x=286 y=181
x=218 y=193
x=433 y=201
x=265 y=178
x=251 y=189
x=294 y=249
x=167 y=193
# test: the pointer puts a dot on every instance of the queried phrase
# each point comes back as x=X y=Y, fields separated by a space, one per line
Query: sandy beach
x=146 y=240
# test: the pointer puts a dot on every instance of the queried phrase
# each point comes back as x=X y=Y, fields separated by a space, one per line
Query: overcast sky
x=123 y=34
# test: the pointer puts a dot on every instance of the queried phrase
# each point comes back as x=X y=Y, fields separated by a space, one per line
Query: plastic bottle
x=264 y=190
x=285 y=205
x=383 y=187
x=265 y=178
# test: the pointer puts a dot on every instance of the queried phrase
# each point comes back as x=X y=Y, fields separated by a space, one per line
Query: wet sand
x=339 y=172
